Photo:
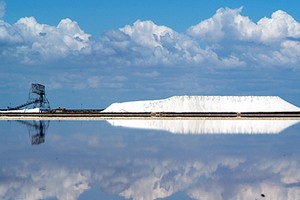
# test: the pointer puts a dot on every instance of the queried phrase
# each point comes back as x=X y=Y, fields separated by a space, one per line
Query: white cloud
x=74 y=37
x=248 y=43
x=32 y=42
x=227 y=39
x=147 y=44
x=289 y=52
x=9 y=35
x=278 y=27
x=146 y=33
x=225 y=24
x=229 y=24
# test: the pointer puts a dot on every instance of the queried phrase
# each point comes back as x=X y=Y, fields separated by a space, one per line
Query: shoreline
x=73 y=115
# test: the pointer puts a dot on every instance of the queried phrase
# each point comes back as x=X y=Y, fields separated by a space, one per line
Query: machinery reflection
x=36 y=130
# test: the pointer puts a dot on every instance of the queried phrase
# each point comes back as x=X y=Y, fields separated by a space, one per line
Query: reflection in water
x=37 y=130
x=209 y=126
x=142 y=164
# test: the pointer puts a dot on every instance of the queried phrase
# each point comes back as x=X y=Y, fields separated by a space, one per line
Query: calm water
x=88 y=160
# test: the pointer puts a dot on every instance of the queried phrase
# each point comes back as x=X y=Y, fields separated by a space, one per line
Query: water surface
x=121 y=160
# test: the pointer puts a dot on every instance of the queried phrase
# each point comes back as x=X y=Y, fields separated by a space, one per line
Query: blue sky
x=92 y=53
x=95 y=17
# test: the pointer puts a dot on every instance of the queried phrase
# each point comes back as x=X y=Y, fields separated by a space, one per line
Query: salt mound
x=206 y=104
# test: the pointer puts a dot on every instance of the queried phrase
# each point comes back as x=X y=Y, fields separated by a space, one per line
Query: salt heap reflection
x=209 y=126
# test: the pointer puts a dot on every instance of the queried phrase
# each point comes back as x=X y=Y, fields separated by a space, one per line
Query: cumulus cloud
x=30 y=41
x=280 y=26
x=145 y=43
x=229 y=24
x=226 y=22
x=247 y=42
x=227 y=39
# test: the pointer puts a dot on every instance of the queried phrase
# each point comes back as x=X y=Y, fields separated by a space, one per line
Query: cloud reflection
x=223 y=178
x=200 y=166
x=37 y=181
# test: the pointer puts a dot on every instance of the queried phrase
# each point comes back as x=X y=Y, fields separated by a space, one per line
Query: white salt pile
x=209 y=126
x=206 y=104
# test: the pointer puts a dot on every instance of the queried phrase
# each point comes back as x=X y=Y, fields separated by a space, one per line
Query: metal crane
x=37 y=98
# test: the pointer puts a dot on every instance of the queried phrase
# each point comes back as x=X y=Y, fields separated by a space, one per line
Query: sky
x=90 y=54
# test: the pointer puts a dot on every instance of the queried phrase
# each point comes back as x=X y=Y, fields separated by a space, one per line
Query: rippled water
x=170 y=159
